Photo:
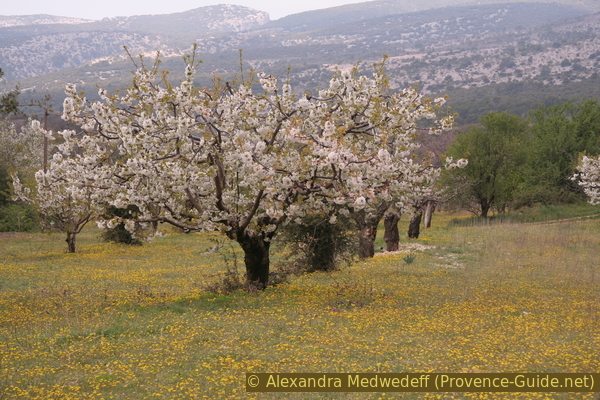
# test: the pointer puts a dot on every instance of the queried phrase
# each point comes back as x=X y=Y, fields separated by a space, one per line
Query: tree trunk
x=414 y=226
x=71 y=241
x=256 y=258
x=367 y=229
x=391 y=236
x=485 y=205
x=429 y=209
x=366 y=241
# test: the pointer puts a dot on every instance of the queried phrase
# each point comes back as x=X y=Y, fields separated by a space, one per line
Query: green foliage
x=9 y=102
x=559 y=134
x=5 y=188
x=318 y=245
x=17 y=217
x=409 y=258
x=497 y=153
x=512 y=165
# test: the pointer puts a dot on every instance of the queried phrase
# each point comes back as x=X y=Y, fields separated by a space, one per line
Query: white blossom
x=287 y=182
x=130 y=226
x=589 y=177
x=360 y=203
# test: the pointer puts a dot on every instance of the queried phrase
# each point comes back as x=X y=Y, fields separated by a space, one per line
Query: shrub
x=17 y=217
x=230 y=282
x=409 y=258
x=316 y=244
x=119 y=234
x=232 y=279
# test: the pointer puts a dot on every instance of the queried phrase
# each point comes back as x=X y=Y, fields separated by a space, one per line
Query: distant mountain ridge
x=38 y=19
x=328 y=17
x=199 y=21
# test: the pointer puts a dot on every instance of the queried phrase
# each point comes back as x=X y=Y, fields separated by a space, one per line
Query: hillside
x=539 y=48
x=45 y=54
x=324 y=18
x=36 y=45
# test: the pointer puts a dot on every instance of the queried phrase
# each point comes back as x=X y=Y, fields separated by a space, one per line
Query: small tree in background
x=66 y=193
x=497 y=155
x=9 y=102
x=20 y=155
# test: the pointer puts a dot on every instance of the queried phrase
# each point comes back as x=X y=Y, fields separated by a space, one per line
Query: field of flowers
x=117 y=322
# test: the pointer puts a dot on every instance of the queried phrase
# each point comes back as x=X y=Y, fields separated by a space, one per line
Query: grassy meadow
x=118 y=322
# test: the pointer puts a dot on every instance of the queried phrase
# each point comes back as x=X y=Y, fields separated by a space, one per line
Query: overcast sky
x=98 y=9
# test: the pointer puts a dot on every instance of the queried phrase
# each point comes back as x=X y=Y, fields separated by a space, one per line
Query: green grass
x=121 y=322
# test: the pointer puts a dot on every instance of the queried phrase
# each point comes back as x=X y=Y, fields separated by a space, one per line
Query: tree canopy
x=496 y=152
x=559 y=134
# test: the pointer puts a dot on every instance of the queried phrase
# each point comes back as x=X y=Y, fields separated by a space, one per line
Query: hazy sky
x=98 y=9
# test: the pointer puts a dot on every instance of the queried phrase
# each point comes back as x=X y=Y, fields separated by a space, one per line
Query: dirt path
x=560 y=221
x=13 y=235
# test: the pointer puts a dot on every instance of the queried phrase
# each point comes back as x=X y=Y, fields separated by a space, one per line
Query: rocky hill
x=36 y=45
x=44 y=54
x=444 y=50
